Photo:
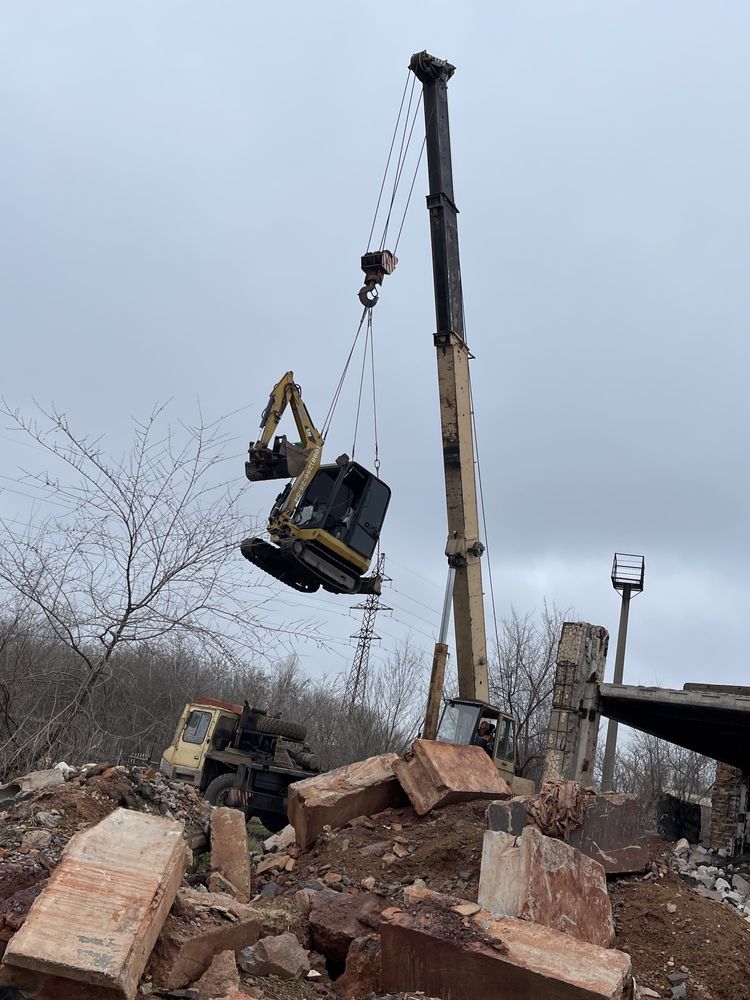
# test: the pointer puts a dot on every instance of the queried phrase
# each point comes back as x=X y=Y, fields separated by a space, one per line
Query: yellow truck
x=239 y=756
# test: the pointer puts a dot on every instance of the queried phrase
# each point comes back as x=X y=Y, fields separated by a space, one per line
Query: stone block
x=31 y=782
x=201 y=925
x=229 y=850
x=334 y=798
x=220 y=978
x=363 y=975
x=104 y=905
x=432 y=949
x=546 y=881
x=281 y=956
x=611 y=832
x=435 y=774
x=337 y=918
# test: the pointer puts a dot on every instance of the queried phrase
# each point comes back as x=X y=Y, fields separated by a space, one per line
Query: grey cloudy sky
x=185 y=190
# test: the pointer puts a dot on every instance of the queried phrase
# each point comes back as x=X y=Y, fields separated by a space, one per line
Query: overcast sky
x=186 y=189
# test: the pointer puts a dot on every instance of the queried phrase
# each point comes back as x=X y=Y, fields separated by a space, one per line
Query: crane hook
x=368 y=295
x=375 y=265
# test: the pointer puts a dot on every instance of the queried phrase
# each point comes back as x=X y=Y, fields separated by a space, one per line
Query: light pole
x=627 y=579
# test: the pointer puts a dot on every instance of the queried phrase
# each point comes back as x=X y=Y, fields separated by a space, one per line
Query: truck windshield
x=196 y=727
x=457 y=723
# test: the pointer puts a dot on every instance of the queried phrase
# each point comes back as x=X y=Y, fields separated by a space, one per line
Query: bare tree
x=522 y=675
x=143 y=552
x=647 y=766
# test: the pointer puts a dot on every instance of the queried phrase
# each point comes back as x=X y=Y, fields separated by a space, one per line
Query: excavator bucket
x=284 y=461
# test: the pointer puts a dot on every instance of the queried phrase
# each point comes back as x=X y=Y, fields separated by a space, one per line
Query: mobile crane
x=461 y=717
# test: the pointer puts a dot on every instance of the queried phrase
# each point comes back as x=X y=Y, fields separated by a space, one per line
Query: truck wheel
x=218 y=792
x=280 y=727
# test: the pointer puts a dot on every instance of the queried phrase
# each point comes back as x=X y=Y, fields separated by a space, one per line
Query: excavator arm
x=285 y=460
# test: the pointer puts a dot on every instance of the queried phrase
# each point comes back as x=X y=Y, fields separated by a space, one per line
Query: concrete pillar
x=574 y=720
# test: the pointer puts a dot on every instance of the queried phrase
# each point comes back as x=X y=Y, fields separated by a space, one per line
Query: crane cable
x=406 y=122
x=481 y=496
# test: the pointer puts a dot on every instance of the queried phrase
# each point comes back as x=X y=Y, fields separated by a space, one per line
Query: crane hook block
x=375 y=265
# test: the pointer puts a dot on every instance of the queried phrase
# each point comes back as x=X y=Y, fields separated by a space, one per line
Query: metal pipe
x=447 y=605
x=439 y=660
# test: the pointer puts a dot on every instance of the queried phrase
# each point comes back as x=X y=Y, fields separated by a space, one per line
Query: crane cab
x=460 y=722
x=328 y=539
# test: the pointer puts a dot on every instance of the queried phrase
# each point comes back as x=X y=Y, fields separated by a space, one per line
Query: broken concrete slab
x=280 y=955
x=432 y=949
x=546 y=881
x=29 y=985
x=229 y=850
x=201 y=925
x=220 y=978
x=103 y=907
x=611 y=831
x=363 y=976
x=336 y=797
x=337 y=918
x=435 y=774
x=281 y=840
x=31 y=782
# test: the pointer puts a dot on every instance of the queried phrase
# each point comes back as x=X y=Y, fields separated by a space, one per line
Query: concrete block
x=31 y=782
x=432 y=949
x=334 y=798
x=611 y=832
x=546 y=881
x=435 y=774
x=201 y=925
x=104 y=905
x=337 y=918
x=280 y=955
x=220 y=978
x=229 y=851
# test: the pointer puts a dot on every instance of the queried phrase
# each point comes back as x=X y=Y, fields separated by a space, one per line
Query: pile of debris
x=713 y=875
x=409 y=878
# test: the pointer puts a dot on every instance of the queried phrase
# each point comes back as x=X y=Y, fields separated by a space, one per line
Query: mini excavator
x=325 y=523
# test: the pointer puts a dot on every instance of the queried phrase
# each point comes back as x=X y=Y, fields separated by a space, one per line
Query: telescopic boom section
x=464 y=548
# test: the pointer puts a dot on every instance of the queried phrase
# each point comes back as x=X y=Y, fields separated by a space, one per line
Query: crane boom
x=464 y=549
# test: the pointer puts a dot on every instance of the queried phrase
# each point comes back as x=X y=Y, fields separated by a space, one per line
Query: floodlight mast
x=627 y=578
x=463 y=549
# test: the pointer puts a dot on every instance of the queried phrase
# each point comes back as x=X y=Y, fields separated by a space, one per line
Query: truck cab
x=239 y=756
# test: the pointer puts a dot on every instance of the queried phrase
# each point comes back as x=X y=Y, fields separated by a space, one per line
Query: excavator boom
x=285 y=460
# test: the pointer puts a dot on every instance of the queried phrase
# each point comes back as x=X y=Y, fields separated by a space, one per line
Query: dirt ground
x=444 y=849
x=705 y=937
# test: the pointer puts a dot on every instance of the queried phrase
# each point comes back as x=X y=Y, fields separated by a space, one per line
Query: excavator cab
x=326 y=522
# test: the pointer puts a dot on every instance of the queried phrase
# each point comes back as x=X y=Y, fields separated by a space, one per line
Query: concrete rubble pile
x=713 y=876
x=334 y=905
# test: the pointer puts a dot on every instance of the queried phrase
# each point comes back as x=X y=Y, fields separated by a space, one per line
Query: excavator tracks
x=279 y=563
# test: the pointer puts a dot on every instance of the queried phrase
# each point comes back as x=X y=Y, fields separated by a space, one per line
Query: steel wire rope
x=388 y=161
x=408 y=197
x=399 y=160
x=368 y=335
x=337 y=393
x=483 y=507
x=400 y=169
x=376 y=462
